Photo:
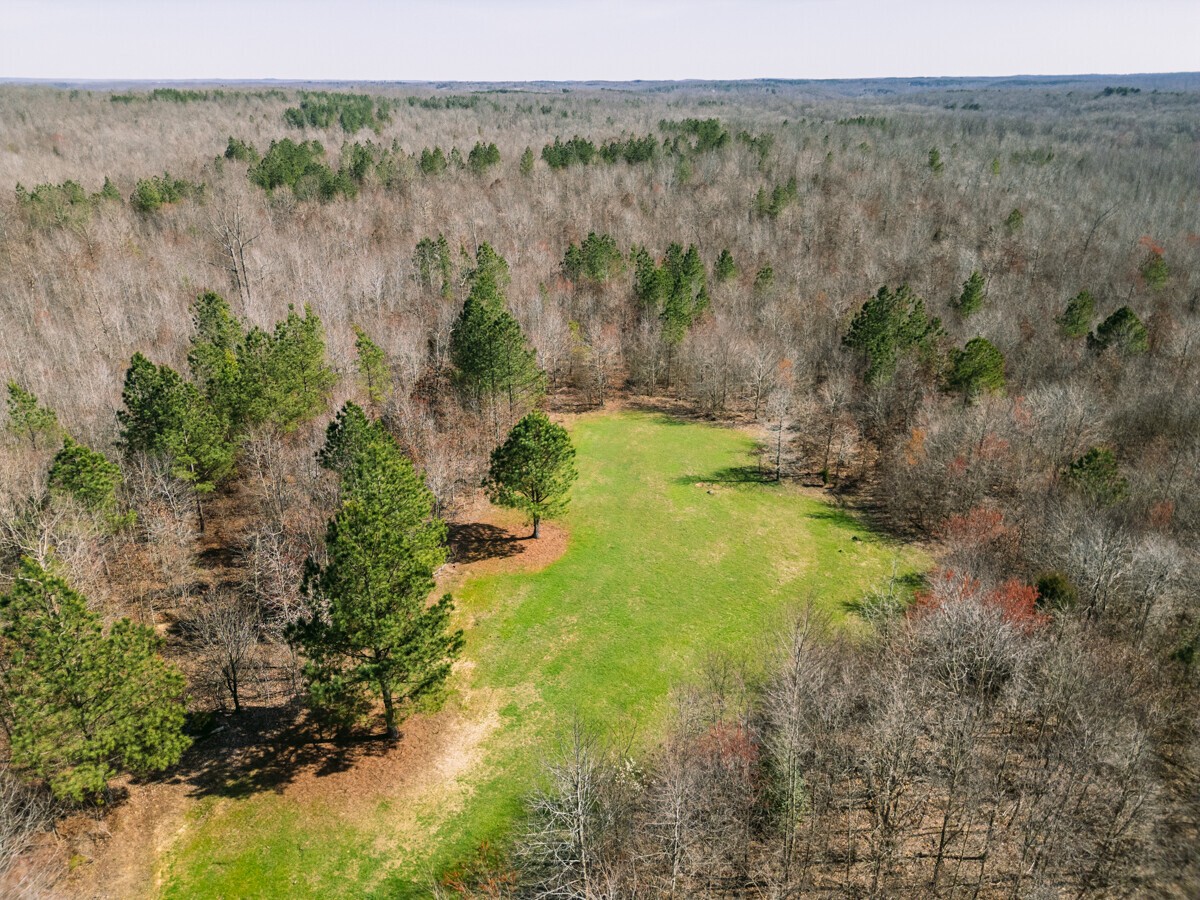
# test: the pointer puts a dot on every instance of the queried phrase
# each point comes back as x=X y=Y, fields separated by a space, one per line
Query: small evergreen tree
x=87 y=475
x=972 y=296
x=1077 y=317
x=1154 y=269
x=28 y=417
x=285 y=379
x=372 y=367
x=1122 y=330
x=935 y=160
x=725 y=269
x=533 y=470
x=83 y=705
x=374 y=628
x=527 y=161
x=1014 y=221
x=764 y=280
x=977 y=368
x=432 y=264
x=1097 y=476
x=217 y=343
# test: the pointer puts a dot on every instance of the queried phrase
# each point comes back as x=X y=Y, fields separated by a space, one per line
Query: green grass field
x=677 y=551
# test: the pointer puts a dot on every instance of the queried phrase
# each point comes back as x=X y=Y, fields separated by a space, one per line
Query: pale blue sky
x=598 y=39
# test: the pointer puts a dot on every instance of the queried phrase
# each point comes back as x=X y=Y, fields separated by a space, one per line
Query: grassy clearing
x=677 y=551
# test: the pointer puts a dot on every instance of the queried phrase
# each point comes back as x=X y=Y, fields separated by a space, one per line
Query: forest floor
x=678 y=550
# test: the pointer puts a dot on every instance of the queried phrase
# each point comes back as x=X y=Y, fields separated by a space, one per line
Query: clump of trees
x=562 y=154
x=675 y=292
x=596 y=259
x=632 y=150
x=352 y=112
x=300 y=166
x=65 y=205
x=482 y=157
x=701 y=135
x=770 y=205
x=151 y=194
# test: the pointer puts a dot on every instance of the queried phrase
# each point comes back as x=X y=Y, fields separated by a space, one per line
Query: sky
x=525 y=40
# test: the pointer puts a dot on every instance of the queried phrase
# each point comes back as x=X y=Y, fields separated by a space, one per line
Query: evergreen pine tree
x=163 y=415
x=725 y=268
x=889 y=325
x=976 y=368
x=372 y=367
x=87 y=475
x=533 y=469
x=1122 y=330
x=488 y=349
x=527 y=160
x=29 y=418
x=972 y=296
x=1097 y=476
x=1077 y=317
x=83 y=705
x=374 y=629
x=217 y=343
x=284 y=378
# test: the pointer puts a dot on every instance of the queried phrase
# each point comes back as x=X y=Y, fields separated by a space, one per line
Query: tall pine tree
x=373 y=629
x=493 y=360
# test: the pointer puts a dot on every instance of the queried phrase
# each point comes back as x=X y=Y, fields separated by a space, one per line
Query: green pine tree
x=1154 y=270
x=972 y=296
x=217 y=343
x=527 y=161
x=1077 y=317
x=83 y=705
x=28 y=418
x=725 y=268
x=1124 y=331
x=977 y=368
x=487 y=347
x=163 y=415
x=285 y=380
x=87 y=475
x=890 y=325
x=346 y=437
x=375 y=630
x=1097 y=476
x=533 y=470
x=372 y=368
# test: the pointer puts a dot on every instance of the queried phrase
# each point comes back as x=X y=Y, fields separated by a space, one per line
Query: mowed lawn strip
x=677 y=552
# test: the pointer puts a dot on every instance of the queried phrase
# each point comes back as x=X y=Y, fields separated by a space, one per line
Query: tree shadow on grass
x=476 y=541
x=751 y=474
x=266 y=749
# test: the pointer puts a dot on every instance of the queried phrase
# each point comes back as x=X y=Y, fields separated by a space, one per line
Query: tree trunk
x=537 y=527
x=389 y=711
x=200 y=513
